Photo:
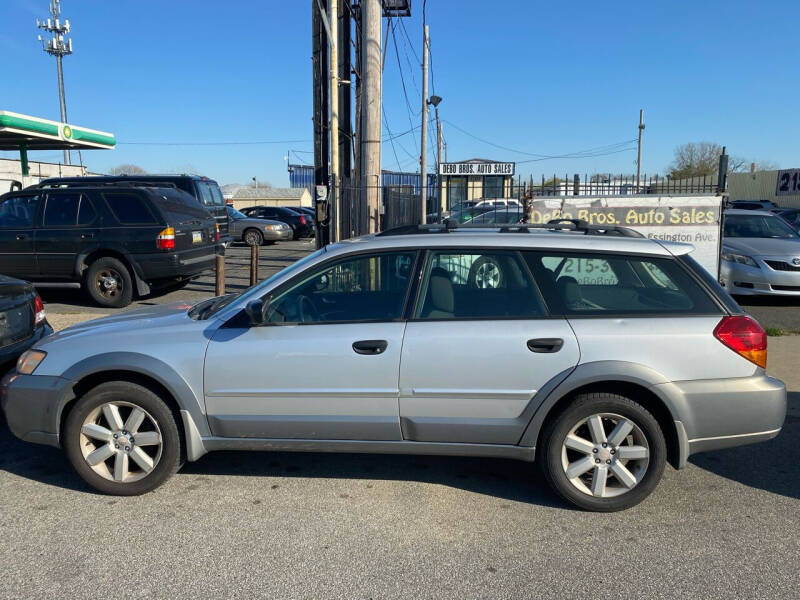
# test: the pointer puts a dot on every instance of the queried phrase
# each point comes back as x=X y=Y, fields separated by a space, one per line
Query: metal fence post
x=253 y=265
x=220 y=275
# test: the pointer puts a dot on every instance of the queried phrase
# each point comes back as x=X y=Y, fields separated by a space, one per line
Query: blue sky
x=536 y=77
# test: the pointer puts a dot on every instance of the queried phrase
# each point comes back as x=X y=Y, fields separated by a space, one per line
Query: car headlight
x=738 y=258
x=272 y=227
x=29 y=360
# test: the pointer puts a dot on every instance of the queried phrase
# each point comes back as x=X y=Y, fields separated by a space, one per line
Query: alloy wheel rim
x=251 y=238
x=487 y=275
x=121 y=442
x=605 y=455
x=109 y=283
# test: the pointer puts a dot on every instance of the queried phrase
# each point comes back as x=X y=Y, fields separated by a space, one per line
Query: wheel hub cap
x=109 y=283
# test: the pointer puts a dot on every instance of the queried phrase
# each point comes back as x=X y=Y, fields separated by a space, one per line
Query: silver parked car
x=253 y=231
x=760 y=254
x=608 y=357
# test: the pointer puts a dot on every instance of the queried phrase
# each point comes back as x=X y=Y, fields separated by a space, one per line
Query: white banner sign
x=691 y=219
x=487 y=168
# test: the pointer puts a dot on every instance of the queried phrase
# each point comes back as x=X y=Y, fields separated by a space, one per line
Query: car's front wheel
x=122 y=439
x=253 y=237
x=604 y=453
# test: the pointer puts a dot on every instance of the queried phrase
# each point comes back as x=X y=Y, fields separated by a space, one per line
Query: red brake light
x=302 y=220
x=38 y=308
x=166 y=239
x=744 y=336
x=216 y=232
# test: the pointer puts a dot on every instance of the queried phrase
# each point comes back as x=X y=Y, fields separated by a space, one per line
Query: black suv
x=206 y=191
x=23 y=321
x=302 y=225
x=114 y=240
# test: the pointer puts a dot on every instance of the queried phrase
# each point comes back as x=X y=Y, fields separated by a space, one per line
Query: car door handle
x=545 y=345
x=86 y=236
x=370 y=346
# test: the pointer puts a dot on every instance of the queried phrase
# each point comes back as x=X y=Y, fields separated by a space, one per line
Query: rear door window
x=61 y=209
x=178 y=206
x=129 y=208
x=491 y=284
x=209 y=194
x=588 y=284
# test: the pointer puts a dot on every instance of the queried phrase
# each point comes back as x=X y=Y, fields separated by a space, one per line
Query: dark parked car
x=754 y=205
x=206 y=191
x=301 y=225
x=305 y=210
x=501 y=216
x=115 y=241
x=254 y=232
x=23 y=320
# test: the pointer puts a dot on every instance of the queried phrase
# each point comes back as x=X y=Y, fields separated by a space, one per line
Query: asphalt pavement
x=282 y=525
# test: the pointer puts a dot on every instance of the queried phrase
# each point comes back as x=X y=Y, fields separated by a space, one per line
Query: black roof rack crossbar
x=574 y=225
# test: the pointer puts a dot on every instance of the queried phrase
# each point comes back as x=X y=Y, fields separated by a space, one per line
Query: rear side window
x=18 y=211
x=477 y=285
x=178 y=206
x=595 y=285
x=129 y=209
x=209 y=194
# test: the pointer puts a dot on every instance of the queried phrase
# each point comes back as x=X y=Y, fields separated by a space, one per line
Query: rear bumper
x=181 y=264
x=722 y=413
x=32 y=405
x=10 y=354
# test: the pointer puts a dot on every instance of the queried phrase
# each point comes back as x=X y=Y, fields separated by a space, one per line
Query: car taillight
x=744 y=336
x=302 y=220
x=166 y=239
x=216 y=232
x=38 y=309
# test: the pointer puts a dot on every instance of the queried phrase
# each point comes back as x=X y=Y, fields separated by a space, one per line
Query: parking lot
x=362 y=526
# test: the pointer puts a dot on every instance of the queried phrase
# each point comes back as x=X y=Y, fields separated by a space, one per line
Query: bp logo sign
x=66 y=132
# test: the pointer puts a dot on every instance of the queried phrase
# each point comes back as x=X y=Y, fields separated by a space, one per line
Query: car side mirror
x=256 y=310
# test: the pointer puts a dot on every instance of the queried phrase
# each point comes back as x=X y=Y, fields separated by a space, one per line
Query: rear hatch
x=210 y=197
x=16 y=311
x=194 y=226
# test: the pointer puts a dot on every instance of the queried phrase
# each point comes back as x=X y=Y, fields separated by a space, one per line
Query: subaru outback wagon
x=602 y=355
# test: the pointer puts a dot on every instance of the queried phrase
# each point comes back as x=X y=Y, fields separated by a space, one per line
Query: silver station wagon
x=600 y=354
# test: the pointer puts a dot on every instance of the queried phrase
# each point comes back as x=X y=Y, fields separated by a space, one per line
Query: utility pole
x=423 y=153
x=370 y=130
x=345 y=112
x=639 y=152
x=319 y=68
x=333 y=19
x=59 y=47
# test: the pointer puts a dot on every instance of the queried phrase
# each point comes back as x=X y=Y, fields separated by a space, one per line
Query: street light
x=435 y=101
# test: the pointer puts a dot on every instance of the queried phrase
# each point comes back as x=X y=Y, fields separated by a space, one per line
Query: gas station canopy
x=22 y=132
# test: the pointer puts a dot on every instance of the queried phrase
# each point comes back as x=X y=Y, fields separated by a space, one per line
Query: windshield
x=235 y=214
x=757 y=226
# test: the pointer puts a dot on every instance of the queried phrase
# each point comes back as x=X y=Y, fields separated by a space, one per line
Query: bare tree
x=127 y=170
x=695 y=159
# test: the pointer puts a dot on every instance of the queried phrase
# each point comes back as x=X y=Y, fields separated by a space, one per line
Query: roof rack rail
x=95 y=183
x=573 y=225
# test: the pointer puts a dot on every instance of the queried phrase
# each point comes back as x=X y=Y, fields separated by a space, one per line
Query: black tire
x=478 y=268
x=96 y=282
x=295 y=232
x=252 y=237
x=123 y=391
x=584 y=406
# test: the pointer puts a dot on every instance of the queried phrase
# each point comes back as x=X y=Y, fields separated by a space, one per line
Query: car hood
x=150 y=317
x=763 y=246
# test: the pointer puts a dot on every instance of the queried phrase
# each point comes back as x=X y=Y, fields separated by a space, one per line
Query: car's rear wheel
x=109 y=283
x=122 y=439
x=253 y=237
x=604 y=453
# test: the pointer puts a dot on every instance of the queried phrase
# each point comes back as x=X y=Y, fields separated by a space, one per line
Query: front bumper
x=33 y=404
x=721 y=413
x=744 y=280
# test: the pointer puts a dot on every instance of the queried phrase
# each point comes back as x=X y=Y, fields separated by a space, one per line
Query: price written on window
x=788 y=182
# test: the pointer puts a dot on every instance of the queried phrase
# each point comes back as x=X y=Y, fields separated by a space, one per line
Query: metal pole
x=439 y=161
x=333 y=17
x=639 y=151
x=370 y=155
x=423 y=152
x=220 y=275
x=62 y=101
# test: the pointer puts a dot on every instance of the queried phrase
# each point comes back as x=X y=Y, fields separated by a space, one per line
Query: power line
x=236 y=143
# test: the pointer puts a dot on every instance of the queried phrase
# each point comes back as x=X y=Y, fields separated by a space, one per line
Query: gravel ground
x=245 y=525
